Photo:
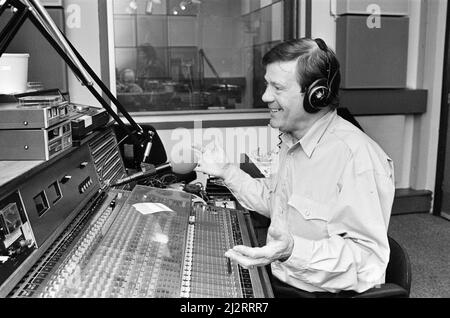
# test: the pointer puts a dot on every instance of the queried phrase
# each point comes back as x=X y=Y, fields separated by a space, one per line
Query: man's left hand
x=278 y=248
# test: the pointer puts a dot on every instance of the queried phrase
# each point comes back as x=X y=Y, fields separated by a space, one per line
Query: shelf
x=363 y=102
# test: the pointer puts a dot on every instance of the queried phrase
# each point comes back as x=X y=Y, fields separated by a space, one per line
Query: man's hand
x=211 y=159
x=279 y=248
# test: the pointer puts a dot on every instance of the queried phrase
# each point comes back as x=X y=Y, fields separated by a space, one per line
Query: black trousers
x=283 y=290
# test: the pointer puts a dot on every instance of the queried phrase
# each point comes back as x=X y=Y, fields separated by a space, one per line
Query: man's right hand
x=211 y=159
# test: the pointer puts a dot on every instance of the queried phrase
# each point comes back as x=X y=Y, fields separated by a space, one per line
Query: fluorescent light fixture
x=149 y=7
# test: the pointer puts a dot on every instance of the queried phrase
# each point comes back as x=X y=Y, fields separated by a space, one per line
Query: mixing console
x=119 y=247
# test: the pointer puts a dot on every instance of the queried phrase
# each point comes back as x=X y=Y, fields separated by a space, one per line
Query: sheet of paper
x=151 y=207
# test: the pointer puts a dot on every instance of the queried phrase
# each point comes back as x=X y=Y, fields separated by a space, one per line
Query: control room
x=227 y=149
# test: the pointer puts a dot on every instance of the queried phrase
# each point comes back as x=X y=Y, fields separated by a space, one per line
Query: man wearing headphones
x=331 y=197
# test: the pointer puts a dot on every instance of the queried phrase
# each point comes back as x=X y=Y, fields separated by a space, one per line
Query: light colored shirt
x=333 y=191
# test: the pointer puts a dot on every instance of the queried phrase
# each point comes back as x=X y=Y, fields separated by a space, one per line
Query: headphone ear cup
x=316 y=96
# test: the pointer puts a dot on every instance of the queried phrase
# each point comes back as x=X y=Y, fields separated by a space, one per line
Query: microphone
x=142 y=174
x=148 y=147
x=183 y=168
x=186 y=163
x=177 y=167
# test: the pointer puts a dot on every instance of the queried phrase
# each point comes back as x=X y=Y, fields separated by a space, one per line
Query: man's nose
x=267 y=97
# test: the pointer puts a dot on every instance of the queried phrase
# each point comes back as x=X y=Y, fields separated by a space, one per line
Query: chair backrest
x=347 y=115
x=399 y=267
x=398 y=275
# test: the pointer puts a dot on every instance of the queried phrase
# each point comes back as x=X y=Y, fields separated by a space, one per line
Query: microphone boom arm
x=37 y=14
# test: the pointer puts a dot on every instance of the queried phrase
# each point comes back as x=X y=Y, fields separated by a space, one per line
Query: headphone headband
x=321 y=44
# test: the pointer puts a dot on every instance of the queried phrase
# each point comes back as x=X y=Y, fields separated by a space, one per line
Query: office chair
x=398 y=272
x=398 y=275
x=397 y=283
x=347 y=115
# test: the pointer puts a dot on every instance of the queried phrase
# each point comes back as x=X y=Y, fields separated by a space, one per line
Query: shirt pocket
x=308 y=208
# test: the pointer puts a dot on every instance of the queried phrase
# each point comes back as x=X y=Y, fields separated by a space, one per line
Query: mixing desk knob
x=59 y=283
x=50 y=292
x=104 y=293
x=25 y=242
x=64 y=273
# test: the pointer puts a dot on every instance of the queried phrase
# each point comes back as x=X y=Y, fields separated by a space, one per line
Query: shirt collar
x=310 y=140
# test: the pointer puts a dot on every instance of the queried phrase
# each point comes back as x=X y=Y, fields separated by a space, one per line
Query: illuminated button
x=65 y=179
x=83 y=164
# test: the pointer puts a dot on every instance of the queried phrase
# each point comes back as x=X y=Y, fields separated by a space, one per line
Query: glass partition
x=193 y=54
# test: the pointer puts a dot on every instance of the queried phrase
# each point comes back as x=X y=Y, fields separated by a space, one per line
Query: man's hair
x=312 y=64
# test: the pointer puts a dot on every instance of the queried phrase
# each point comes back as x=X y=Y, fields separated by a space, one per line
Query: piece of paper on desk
x=151 y=207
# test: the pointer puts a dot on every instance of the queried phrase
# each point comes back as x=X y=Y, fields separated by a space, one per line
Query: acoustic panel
x=372 y=56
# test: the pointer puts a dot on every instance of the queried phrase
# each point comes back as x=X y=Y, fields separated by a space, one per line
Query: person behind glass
x=150 y=67
x=329 y=201
x=127 y=82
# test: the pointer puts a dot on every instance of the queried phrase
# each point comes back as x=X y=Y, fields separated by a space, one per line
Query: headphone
x=318 y=93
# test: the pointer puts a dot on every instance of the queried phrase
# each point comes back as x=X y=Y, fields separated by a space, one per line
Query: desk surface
x=12 y=169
